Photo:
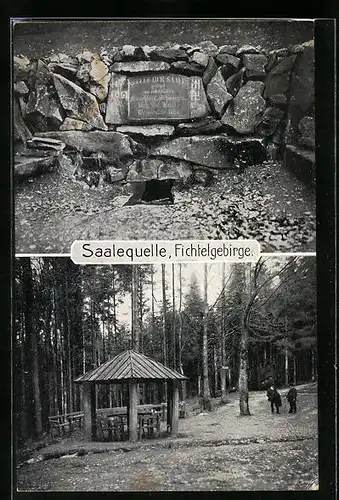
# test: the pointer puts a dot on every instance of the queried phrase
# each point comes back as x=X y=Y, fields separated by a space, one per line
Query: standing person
x=274 y=398
x=292 y=399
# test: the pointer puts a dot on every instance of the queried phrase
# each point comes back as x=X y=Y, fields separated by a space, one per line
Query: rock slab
x=78 y=103
x=209 y=151
x=244 y=112
x=95 y=141
x=217 y=93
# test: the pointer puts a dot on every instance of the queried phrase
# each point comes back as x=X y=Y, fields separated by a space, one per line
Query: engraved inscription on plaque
x=154 y=97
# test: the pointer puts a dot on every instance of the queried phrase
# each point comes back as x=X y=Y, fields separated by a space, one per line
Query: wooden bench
x=60 y=425
x=149 y=424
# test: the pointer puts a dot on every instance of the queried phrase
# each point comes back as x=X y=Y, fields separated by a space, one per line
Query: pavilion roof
x=130 y=365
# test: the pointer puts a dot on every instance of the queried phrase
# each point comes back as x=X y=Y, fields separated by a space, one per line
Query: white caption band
x=149 y=251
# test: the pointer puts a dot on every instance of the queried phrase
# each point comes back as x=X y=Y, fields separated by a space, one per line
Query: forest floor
x=265 y=203
x=214 y=451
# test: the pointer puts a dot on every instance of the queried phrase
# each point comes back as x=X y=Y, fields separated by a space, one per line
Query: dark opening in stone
x=152 y=192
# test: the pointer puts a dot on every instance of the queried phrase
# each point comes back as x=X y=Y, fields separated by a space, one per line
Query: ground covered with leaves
x=215 y=451
x=265 y=202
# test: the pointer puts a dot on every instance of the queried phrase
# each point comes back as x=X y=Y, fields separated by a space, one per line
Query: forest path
x=217 y=451
x=265 y=202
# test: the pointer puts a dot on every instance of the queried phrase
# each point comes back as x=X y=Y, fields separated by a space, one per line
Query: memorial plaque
x=155 y=98
x=158 y=97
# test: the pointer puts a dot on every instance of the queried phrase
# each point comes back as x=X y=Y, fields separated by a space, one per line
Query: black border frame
x=325 y=31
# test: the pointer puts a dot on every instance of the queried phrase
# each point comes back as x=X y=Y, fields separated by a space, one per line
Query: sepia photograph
x=163 y=129
x=165 y=377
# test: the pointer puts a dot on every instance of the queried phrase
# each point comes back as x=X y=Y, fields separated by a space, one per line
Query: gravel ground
x=264 y=203
x=216 y=451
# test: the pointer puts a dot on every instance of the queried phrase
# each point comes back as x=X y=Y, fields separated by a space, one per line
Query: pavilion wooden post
x=90 y=427
x=132 y=411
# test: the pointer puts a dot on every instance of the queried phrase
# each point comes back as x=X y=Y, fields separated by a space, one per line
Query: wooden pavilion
x=133 y=368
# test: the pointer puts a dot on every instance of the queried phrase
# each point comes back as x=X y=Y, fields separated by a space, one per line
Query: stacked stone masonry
x=140 y=113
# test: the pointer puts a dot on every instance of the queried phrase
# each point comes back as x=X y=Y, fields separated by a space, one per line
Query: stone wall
x=232 y=107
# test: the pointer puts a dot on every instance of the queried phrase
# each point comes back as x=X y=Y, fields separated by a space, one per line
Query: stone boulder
x=45 y=143
x=132 y=53
x=208 y=47
x=92 y=74
x=210 y=71
x=69 y=164
x=301 y=163
x=187 y=68
x=29 y=166
x=99 y=78
x=230 y=64
x=43 y=110
x=21 y=68
x=301 y=102
x=243 y=113
x=217 y=94
x=247 y=49
x=21 y=131
x=147 y=130
x=140 y=67
x=302 y=85
x=169 y=55
x=278 y=81
x=228 y=49
x=200 y=58
x=92 y=142
x=20 y=88
x=283 y=52
x=247 y=151
x=269 y=121
x=143 y=170
x=207 y=126
x=307 y=131
x=73 y=124
x=235 y=82
x=209 y=151
x=254 y=65
x=160 y=169
x=78 y=103
x=64 y=65
x=114 y=174
x=175 y=170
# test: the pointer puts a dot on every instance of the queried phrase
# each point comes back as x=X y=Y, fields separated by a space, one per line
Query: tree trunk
x=23 y=419
x=113 y=341
x=286 y=366
x=206 y=388
x=222 y=336
x=294 y=369
x=164 y=311
x=182 y=386
x=69 y=350
x=135 y=318
x=243 y=367
x=215 y=368
x=174 y=363
x=152 y=309
x=32 y=335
